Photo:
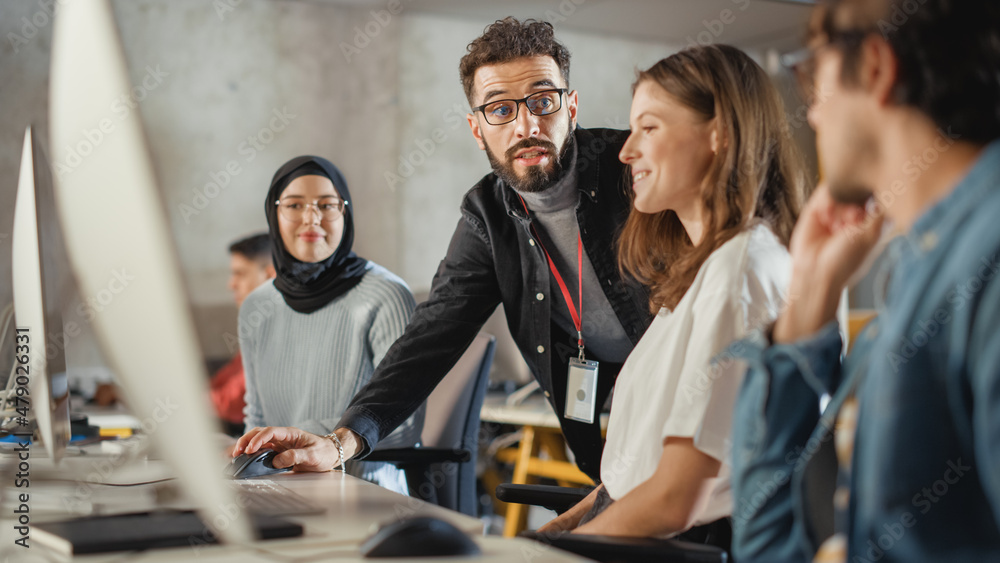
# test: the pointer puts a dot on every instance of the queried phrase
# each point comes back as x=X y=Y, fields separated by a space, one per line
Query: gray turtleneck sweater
x=553 y=214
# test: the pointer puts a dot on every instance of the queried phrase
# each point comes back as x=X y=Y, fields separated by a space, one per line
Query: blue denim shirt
x=924 y=481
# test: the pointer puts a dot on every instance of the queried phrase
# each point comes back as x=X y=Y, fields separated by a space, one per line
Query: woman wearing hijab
x=312 y=337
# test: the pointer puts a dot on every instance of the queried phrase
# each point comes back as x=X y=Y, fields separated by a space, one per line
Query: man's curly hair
x=507 y=40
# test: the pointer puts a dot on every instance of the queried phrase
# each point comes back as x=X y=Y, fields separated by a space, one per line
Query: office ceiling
x=751 y=24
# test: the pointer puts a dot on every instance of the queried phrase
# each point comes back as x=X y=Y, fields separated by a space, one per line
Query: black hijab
x=308 y=286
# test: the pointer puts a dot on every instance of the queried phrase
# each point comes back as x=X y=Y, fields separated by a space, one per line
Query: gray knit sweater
x=302 y=370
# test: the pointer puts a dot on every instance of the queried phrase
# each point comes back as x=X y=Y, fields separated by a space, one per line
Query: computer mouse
x=256 y=464
x=419 y=536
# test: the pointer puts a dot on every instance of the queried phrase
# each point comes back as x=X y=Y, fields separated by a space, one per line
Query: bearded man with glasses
x=537 y=235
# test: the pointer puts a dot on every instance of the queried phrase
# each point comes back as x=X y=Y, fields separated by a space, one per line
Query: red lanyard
x=577 y=317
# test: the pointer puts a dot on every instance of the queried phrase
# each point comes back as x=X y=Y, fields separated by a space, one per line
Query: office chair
x=607 y=549
x=819 y=480
x=443 y=469
x=617 y=549
x=557 y=499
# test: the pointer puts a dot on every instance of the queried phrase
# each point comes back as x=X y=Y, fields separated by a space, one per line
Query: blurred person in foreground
x=906 y=105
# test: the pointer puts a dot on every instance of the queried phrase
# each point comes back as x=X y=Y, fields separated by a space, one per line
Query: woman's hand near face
x=300 y=450
x=829 y=244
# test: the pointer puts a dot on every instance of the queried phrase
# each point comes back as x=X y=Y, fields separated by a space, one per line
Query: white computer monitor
x=114 y=223
x=40 y=284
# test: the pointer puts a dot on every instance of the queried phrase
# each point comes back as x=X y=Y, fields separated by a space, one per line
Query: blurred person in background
x=249 y=266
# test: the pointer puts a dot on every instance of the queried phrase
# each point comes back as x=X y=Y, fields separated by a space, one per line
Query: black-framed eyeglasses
x=500 y=112
x=802 y=62
x=293 y=208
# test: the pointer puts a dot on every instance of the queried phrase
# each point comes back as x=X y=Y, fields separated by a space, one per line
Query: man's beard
x=536 y=178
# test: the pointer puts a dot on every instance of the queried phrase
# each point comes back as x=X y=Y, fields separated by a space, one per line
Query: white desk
x=354 y=507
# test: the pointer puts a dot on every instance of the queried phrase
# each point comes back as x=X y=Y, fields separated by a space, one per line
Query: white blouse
x=669 y=386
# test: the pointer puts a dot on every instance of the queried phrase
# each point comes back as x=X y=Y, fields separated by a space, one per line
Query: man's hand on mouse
x=301 y=450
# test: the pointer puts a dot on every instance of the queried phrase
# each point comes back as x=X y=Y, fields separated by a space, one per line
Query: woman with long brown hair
x=717 y=189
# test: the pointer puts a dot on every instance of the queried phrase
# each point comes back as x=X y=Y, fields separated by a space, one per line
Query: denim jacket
x=923 y=482
x=493 y=259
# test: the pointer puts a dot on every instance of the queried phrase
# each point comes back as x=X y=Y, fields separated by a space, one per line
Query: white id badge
x=581 y=390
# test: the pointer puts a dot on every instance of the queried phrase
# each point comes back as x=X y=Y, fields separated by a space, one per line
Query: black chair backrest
x=452 y=421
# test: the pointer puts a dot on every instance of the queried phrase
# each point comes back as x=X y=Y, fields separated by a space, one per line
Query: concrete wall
x=247 y=90
x=228 y=96
x=24 y=64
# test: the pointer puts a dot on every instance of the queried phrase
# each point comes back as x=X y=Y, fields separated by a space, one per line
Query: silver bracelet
x=340 y=449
